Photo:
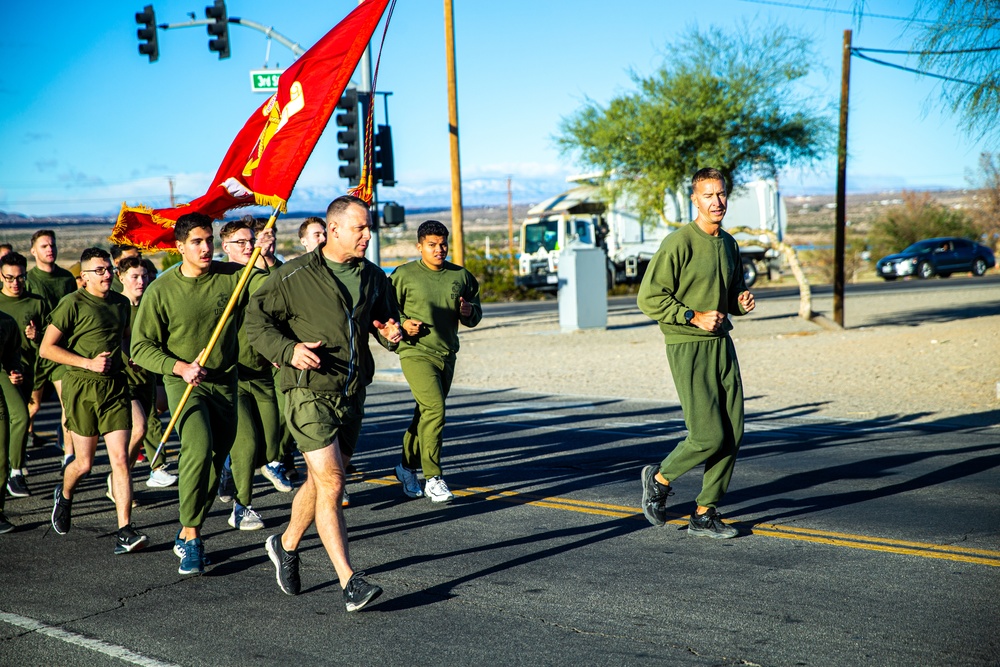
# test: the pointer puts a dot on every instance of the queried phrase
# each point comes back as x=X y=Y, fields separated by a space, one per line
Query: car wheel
x=925 y=270
x=979 y=266
x=888 y=277
x=945 y=275
x=749 y=272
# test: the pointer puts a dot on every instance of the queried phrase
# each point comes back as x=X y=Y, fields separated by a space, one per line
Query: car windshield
x=543 y=234
x=921 y=246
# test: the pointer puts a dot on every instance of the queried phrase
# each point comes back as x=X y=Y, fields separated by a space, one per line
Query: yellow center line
x=816 y=536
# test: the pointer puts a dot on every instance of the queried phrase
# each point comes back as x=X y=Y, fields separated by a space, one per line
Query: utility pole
x=841 y=226
x=173 y=204
x=510 y=225
x=457 y=238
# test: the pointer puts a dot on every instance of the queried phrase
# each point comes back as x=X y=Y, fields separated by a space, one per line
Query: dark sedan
x=937 y=257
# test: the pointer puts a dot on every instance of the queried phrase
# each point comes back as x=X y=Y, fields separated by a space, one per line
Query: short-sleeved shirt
x=25 y=309
x=51 y=287
x=91 y=325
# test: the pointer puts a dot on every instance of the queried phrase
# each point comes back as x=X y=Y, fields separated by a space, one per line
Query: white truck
x=583 y=215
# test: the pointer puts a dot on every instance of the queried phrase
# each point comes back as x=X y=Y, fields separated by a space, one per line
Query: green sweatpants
x=257 y=433
x=430 y=380
x=206 y=427
x=707 y=377
x=146 y=395
x=16 y=398
x=287 y=444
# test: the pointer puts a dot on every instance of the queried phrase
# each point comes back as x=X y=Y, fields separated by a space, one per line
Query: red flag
x=267 y=156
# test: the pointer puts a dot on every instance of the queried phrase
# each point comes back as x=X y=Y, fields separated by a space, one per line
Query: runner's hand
x=99 y=364
x=390 y=330
x=464 y=307
x=303 y=357
x=412 y=327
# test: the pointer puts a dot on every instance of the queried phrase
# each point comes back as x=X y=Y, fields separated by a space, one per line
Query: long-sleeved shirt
x=432 y=297
x=692 y=270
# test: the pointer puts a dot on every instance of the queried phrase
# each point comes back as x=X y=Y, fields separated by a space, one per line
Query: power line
x=911 y=69
x=830 y=10
x=949 y=52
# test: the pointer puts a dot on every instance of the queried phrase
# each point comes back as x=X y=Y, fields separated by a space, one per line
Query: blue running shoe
x=275 y=473
x=193 y=560
x=227 y=487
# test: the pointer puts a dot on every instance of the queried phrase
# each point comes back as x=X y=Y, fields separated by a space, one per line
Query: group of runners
x=292 y=362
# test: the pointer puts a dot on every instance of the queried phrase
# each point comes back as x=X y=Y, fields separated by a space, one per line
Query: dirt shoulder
x=908 y=356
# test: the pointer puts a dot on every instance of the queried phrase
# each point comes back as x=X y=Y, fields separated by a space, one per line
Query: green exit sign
x=264 y=80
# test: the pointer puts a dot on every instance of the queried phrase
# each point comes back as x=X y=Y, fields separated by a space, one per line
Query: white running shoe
x=438 y=491
x=160 y=478
x=245 y=518
x=411 y=485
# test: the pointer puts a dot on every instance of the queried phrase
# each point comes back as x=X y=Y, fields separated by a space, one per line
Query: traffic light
x=348 y=136
x=151 y=47
x=385 y=172
x=218 y=29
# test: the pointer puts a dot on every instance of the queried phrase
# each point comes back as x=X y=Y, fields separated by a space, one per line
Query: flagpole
x=203 y=359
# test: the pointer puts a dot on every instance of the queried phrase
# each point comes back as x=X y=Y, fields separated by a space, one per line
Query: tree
x=728 y=101
x=986 y=210
x=968 y=31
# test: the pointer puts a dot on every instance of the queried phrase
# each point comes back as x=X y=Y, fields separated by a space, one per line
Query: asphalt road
x=864 y=543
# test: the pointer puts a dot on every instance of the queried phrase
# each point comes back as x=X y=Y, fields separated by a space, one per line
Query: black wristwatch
x=688 y=316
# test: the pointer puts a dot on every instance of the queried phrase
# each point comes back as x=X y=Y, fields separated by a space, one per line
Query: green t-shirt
x=348 y=275
x=692 y=270
x=51 y=287
x=24 y=309
x=91 y=325
x=9 y=358
x=178 y=314
x=137 y=377
x=432 y=297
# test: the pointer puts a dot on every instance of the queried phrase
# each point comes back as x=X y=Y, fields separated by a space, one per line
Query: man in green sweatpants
x=434 y=297
x=28 y=311
x=176 y=318
x=11 y=362
x=691 y=286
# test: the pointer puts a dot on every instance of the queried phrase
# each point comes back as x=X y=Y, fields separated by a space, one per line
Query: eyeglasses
x=241 y=242
x=13 y=279
x=101 y=270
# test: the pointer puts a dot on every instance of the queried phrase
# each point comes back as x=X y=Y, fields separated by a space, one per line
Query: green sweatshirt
x=24 y=309
x=304 y=302
x=91 y=325
x=178 y=314
x=432 y=298
x=9 y=358
x=692 y=270
x=51 y=287
x=251 y=364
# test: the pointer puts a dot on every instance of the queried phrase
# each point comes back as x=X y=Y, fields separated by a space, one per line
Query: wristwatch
x=688 y=316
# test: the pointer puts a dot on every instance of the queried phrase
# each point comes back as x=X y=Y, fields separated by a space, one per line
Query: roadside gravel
x=927 y=356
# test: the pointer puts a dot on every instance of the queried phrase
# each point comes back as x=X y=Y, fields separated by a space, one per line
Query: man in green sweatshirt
x=434 y=297
x=313 y=318
x=692 y=285
x=29 y=313
x=51 y=282
x=87 y=333
x=177 y=315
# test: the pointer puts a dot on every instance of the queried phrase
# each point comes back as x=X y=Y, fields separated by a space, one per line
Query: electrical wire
x=911 y=69
x=830 y=10
x=949 y=52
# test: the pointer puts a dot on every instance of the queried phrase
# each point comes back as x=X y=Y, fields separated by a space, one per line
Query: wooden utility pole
x=457 y=238
x=510 y=225
x=173 y=204
x=841 y=228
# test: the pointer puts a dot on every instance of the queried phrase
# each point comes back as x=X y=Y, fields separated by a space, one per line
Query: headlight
x=908 y=263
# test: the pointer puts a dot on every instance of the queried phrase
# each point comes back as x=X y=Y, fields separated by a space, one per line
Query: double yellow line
x=866 y=542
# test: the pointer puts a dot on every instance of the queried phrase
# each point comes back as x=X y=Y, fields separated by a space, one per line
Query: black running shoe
x=129 y=539
x=61 y=509
x=286 y=564
x=710 y=524
x=17 y=487
x=5 y=525
x=654 y=497
x=359 y=592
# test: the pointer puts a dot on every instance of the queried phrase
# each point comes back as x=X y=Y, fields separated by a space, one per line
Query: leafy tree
x=967 y=29
x=730 y=101
x=986 y=210
x=919 y=217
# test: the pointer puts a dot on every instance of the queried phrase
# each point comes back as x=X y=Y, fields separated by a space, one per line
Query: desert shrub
x=496 y=279
x=919 y=217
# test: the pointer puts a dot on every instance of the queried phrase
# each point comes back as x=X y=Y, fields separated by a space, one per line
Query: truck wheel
x=749 y=272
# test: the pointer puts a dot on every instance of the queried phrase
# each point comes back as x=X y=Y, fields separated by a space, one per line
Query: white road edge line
x=111 y=650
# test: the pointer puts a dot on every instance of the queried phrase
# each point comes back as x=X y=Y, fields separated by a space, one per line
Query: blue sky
x=91 y=123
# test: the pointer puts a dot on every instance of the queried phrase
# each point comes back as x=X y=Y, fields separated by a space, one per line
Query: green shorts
x=46 y=371
x=315 y=419
x=96 y=405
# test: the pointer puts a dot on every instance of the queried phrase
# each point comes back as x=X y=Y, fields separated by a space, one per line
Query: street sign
x=264 y=80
